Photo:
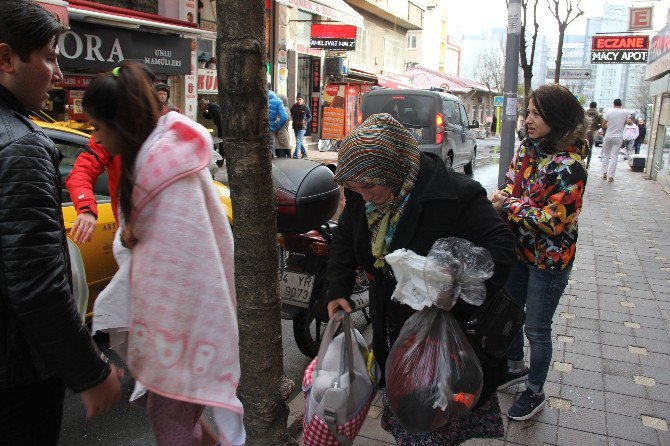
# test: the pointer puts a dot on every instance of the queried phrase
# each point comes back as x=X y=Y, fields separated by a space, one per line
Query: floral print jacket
x=544 y=216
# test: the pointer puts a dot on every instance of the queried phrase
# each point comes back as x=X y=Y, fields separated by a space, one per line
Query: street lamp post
x=510 y=87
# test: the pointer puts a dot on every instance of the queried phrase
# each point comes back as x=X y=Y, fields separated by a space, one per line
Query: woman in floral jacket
x=542 y=200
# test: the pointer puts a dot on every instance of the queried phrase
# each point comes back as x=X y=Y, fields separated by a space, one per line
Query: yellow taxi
x=93 y=263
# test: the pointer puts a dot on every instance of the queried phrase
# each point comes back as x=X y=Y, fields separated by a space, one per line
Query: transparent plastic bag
x=432 y=374
x=456 y=269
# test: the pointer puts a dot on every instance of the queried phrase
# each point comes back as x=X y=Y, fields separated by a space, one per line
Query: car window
x=453 y=116
x=410 y=110
x=464 y=117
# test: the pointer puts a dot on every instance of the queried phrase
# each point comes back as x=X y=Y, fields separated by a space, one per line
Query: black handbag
x=492 y=326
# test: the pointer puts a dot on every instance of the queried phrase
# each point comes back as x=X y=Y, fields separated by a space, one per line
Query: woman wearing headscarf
x=398 y=197
x=542 y=199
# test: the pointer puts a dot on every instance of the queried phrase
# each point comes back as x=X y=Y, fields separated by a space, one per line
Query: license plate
x=418 y=133
x=295 y=287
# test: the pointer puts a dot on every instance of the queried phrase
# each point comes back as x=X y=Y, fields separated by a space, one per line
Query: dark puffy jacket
x=41 y=332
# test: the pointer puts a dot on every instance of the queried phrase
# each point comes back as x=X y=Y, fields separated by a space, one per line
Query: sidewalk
x=610 y=380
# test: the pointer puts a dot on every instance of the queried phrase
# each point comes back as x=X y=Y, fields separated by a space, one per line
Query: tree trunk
x=559 y=53
x=240 y=52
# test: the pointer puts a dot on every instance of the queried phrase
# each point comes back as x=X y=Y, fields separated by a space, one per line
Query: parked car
x=93 y=263
x=438 y=121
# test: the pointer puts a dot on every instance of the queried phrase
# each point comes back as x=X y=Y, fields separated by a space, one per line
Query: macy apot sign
x=333 y=37
x=94 y=49
x=619 y=49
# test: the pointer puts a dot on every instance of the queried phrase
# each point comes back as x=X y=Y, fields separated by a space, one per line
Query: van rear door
x=415 y=111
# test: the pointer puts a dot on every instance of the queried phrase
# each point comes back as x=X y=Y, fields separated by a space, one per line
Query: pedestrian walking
x=183 y=336
x=494 y=125
x=630 y=134
x=277 y=116
x=282 y=134
x=45 y=346
x=614 y=121
x=541 y=201
x=594 y=120
x=301 y=117
x=399 y=197
x=640 y=137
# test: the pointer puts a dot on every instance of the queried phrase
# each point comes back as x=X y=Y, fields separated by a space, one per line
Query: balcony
x=405 y=13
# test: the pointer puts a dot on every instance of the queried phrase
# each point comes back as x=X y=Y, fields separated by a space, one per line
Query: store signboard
x=640 y=18
x=333 y=37
x=99 y=48
x=207 y=81
x=630 y=48
x=659 y=55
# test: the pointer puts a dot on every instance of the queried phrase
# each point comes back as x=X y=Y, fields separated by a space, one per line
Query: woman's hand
x=336 y=304
x=497 y=199
x=83 y=227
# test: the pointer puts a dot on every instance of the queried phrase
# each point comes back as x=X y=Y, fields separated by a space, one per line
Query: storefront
x=298 y=65
x=658 y=72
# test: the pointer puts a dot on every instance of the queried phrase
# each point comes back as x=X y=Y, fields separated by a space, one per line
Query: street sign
x=640 y=18
x=498 y=101
x=570 y=73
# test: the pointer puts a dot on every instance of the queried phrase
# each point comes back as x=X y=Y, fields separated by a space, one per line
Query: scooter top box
x=307 y=194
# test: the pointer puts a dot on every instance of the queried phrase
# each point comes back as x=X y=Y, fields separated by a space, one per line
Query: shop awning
x=335 y=10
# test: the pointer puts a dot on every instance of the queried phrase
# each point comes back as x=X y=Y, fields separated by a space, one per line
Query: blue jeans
x=299 y=147
x=539 y=291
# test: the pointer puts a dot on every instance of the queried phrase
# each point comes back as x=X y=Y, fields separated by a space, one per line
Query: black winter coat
x=443 y=204
x=41 y=331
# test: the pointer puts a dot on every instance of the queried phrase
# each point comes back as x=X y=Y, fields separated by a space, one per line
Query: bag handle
x=339 y=318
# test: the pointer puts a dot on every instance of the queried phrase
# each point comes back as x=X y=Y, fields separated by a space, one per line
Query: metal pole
x=510 y=87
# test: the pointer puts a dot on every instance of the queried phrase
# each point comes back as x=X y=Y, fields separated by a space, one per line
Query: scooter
x=303 y=287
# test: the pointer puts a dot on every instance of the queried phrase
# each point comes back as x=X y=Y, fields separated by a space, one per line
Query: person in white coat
x=630 y=133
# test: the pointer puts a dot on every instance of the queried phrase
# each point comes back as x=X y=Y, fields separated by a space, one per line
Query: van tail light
x=439 y=128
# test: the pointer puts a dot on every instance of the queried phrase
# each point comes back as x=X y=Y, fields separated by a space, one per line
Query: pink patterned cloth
x=183 y=340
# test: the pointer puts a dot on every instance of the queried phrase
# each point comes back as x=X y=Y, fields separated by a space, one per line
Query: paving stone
x=583 y=397
x=619 y=354
x=613 y=316
x=638 y=350
x=655 y=423
x=375 y=411
x=644 y=381
x=583 y=362
x=628 y=428
x=584 y=378
x=661 y=375
x=627 y=304
x=584 y=335
x=566 y=315
x=564 y=338
x=531 y=433
x=583 y=419
x=618 y=340
x=658 y=346
x=628 y=405
x=562 y=367
x=631 y=324
x=661 y=392
x=584 y=348
x=623 y=385
x=583 y=323
x=559 y=403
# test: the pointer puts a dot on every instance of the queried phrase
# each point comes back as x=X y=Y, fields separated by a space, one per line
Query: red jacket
x=85 y=172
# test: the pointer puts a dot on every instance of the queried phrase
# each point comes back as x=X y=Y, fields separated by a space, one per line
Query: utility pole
x=510 y=87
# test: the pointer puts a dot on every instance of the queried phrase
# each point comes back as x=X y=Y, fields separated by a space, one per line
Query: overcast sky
x=493 y=14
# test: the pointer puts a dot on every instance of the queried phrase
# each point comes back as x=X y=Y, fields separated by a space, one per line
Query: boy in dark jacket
x=44 y=346
x=301 y=118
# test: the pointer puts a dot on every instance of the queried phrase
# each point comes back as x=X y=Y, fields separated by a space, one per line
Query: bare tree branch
x=562 y=25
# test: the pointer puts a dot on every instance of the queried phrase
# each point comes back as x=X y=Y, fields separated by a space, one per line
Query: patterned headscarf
x=382 y=152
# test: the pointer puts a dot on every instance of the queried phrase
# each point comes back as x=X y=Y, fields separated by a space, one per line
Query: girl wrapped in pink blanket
x=182 y=333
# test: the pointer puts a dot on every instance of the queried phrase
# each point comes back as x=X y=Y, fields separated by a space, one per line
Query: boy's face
x=30 y=81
